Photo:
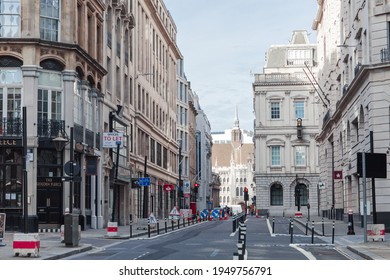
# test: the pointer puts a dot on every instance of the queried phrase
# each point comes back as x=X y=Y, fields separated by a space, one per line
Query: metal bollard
x=172 y=225
x=148 y=227
x=351 y=230
x=131 y=227
x=184 y=222
x=333 y=233
x=273 y=225
x=292 y=232
x=307 y=223
x=323 y=227
x=166 y=229
x=289 y=226
x=158 y=227
x=312 y=232
x=178 y=223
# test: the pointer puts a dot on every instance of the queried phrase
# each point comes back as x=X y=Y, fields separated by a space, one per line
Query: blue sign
x=215 y=213
x=144 y=181
x=204 y=213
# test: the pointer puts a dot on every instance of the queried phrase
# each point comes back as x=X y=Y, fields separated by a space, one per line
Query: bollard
x=289 y=226
x=131 y=227
x=273 y=225
x=158 y=227
x=307 y=223
x=323 y=227
x=312 y=232
x=148 y=227
x=292 y=232
x=166 y=229
x=172 y=225
x=333 y=233
x=178 y=223
x=188 y=221
x=184 y=222
x=351 y=230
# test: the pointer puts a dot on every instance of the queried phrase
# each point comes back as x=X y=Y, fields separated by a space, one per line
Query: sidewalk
x=370 y=250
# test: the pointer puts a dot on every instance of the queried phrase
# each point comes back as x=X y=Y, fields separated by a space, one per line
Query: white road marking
x=214 y=253
x=307 y=254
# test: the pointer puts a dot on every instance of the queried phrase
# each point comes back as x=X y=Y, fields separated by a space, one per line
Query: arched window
x=237 y=191
x=301 y=193
x=241 y=192
x=276 y=194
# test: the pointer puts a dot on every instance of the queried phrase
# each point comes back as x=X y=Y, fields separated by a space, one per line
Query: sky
x=224 y=42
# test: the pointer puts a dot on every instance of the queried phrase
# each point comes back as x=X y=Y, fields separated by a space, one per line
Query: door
x=49 y=205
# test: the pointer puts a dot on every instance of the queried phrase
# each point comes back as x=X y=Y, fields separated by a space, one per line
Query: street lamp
x=71 y=222
x=180 y=184
x=59 y=143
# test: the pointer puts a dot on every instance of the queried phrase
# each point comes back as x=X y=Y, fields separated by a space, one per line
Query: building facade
x=354 y=73
x=78 y=73
x=55 y=71
x=233 y=161
x=286 y=124
x=203 y=158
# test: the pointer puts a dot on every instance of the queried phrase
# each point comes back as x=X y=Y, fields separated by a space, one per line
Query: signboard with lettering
x=12 y=142
x=112 y=139
x=49 y=181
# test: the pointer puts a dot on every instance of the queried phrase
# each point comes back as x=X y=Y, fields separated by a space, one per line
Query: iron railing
x=51 y=128
x=11 y=127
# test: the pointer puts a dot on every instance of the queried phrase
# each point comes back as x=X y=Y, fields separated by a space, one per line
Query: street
x=215 y=240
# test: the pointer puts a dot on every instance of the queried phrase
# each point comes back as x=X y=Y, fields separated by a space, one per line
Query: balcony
x=11 y=127
x=385 y=55
x=50 y=128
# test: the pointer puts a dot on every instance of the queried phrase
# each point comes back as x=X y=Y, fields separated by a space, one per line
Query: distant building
x=233 y=160
x=286 y=124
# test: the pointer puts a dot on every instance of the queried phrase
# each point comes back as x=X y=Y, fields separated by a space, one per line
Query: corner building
x=51 y=65
x=286 y=124
x=353 y=50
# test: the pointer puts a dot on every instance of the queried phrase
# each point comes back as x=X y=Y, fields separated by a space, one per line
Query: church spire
x=236 y=121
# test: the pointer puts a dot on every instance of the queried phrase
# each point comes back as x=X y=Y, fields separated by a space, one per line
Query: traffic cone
x=257 y=213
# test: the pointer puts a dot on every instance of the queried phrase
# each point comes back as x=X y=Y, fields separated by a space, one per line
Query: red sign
x=168 y=187
x=338 y=175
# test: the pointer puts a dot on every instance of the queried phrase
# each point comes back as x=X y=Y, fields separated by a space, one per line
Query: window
x=10 y=18
x=275 y=156
x=300 y=156
x=302 y=194
x=275 y=110
x=49 y=21
x=276 y=195
x=299 y=109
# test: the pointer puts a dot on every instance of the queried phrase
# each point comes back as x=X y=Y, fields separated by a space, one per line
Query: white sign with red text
x=112 y=139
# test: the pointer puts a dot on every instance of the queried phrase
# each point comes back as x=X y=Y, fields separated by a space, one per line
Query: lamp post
x=71 y=222
x=180 y=184
x=59 y=144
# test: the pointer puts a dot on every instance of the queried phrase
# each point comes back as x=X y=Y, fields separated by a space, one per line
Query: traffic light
x=246 y=195
x=196 y=187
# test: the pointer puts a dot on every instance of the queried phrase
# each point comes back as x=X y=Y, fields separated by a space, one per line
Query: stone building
x=353 y=56
x=286 y=124
x=233 y=161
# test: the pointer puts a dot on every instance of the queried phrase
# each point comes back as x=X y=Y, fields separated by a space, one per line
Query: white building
x=353 y=55
x=286 y=156
x=233 y=160
x=203 y=158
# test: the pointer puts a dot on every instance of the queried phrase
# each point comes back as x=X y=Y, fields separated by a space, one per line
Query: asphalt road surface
x=214 y=240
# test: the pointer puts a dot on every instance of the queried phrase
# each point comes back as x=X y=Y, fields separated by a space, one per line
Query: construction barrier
x=26 y=244
x=112 y=229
